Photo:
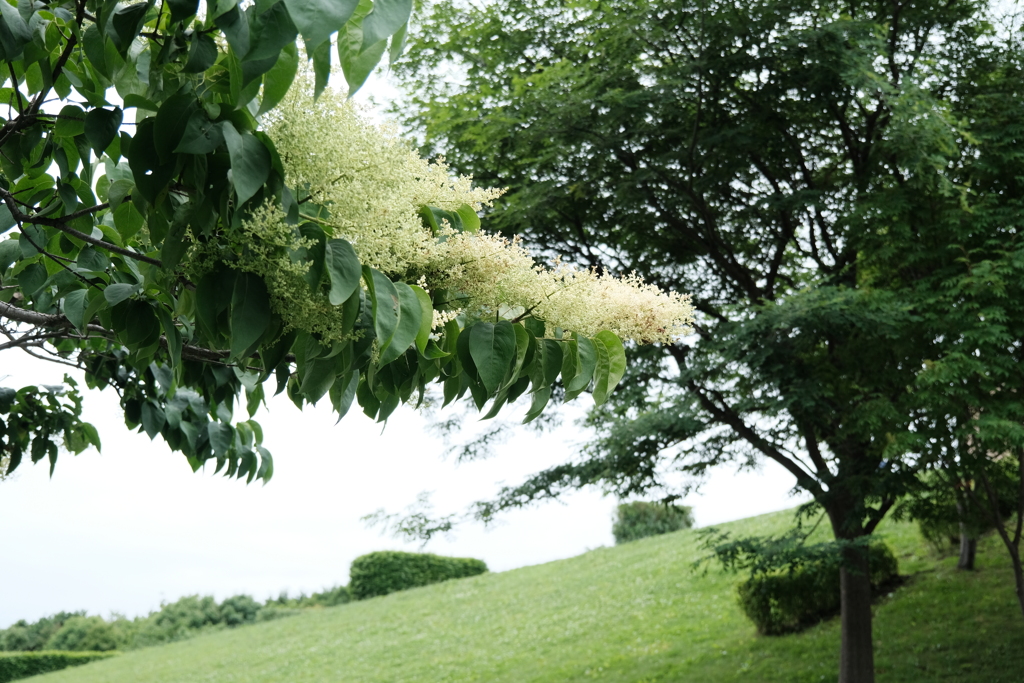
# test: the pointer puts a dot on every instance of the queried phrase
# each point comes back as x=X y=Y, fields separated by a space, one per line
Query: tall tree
x=241 y=230
x=764 y=156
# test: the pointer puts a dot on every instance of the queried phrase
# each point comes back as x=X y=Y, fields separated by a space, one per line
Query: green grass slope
x=631 y=613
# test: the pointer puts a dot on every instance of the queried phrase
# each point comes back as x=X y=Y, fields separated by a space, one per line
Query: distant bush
x=16 y=665
x=789 y=601
x=638 y=520
x=24 y=636
x=385 y=572
x=85 y=633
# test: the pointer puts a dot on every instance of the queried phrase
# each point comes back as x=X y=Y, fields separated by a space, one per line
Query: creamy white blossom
x=374 y=186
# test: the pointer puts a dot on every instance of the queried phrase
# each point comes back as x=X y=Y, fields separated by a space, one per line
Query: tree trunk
x=968 y=549
x=857 y=658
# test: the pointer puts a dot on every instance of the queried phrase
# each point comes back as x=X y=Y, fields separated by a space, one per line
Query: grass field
x=635 y=613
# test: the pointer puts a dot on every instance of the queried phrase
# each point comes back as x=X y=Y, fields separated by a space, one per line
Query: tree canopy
x=833 y=182
x=191 y=213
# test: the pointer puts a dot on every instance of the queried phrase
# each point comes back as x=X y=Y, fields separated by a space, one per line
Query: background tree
x=776 y=160
x=241 y=229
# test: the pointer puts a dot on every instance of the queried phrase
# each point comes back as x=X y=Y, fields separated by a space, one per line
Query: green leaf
x=10 y=250
x=250 y=313
x=315 y=254
x=74 y=308
x=222 y=437
x=493 y=348
x=201 y=135
x=116 y=192
x=523 y=340
x=250 y=162
x=343 y=391
x=6 y=220
x=611 y=364
x=409 y=319
x=343 y=269
x=470 y=219
x=142 y=327
x=182 y=9
x=587 y=355
x=277 y=81
x=398 y=44
x=127 y=218
x=213 y=296
x=386 y=304
x=235 y=26
x=202 y=53
x=70 y=122
x=14 y=32
x=32 y=279
x=426 y=320
x=321 y=68
x=116 y=293
x=172 y=334
x=101 y=126
x=357 y=68
x=318 y=19
x=153 y=419
x=127 y=22
x=387 y=17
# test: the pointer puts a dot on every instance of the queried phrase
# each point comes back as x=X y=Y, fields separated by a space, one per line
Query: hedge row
x=385 y=572
x=16 y=665
x=786 y=602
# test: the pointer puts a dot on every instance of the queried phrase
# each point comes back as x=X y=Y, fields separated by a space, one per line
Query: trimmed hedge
x=638 y=519
x=385 y=572
x=791 y=601
x=16 y=665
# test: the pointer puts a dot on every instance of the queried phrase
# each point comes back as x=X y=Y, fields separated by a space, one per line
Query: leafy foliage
x=135 y=155
x=640 y=519
x=14 y=666
x=783 y=602
x=385 y=572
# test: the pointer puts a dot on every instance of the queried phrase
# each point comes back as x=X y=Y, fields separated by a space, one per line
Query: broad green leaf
x=14 y=32
x=321 y=68
x=397 y=44
x=153 y=419
x=201 y=135
x=523 y=340
x=6 y=220
x=270 y=32
x=611 y=364
x=552 y=360
x=570 y=361
x=343 y=391
x=141 y=325
x=172 y=335
x=235 y=26
x=250 y=313
x=387 y=17
x=386 y=304
x=409 y=319
x=315 y=254
x=182 y=9
x=213 y=296
x=74 y=308
x=127 y=219
x=319 y=378
x=318 y=19
x=493 y=348
x=101 y=126
x=250 y=162
x=426 y=320
x=470 y=219
x=357 y=68
x=116 y=293
x=587 y=362
x=10 y=251
x=116 y=192
x=32 y=279
x=277 y=81
x=70 y=122
x=222 y=437
x=343 y=269
x=127 y=22
x=202 y=53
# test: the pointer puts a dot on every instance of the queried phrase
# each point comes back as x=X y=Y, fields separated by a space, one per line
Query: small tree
x=640 y=519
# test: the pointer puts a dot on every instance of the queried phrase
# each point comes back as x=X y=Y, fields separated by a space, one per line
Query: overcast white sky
x=127 y=529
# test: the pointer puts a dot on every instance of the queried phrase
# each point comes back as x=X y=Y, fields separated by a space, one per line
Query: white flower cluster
x=374 y=186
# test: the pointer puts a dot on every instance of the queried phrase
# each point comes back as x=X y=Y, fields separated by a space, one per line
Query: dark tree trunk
x=857 y=658
x=968 y=549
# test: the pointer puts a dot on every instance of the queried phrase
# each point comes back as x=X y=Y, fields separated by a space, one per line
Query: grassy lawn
x=631 y=613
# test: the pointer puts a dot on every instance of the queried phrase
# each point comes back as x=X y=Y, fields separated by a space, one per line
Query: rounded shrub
x=789 y=601
x=640 y=519
x=84 y=633
x=385 y=572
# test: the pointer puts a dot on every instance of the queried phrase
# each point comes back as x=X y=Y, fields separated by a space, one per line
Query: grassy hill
x=631 y=613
